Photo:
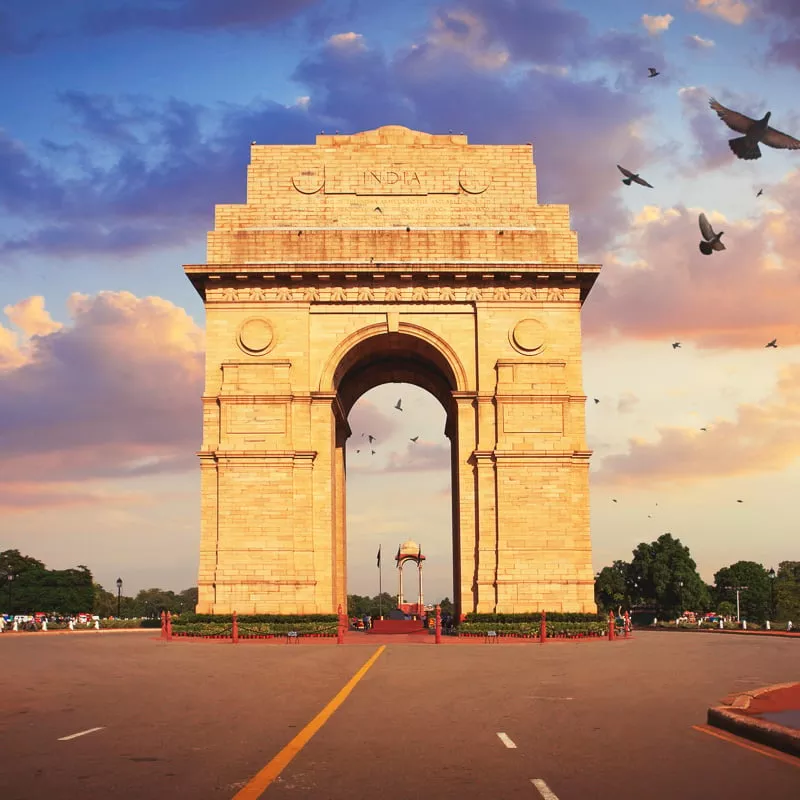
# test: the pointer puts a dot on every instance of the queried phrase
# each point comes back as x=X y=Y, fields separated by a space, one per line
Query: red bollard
x=627 y=624
x=437 y=638
x=235 y=629
x=164 y=625
x=611 y=623
x=169 y=626
x=543 y=628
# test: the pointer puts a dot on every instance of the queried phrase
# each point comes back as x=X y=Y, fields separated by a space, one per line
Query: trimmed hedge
x=247 y=619
x=536 y=616
x=248 y=628
x=596 y=627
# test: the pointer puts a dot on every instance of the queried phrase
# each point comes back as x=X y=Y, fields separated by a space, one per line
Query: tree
x=188 y=600
x=664 y=575
x=787 y=591
x=30 y=587
x=611 y=588
x=447 y=607
x=753 y=601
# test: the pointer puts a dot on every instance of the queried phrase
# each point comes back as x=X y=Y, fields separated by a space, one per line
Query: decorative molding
x=389 y=294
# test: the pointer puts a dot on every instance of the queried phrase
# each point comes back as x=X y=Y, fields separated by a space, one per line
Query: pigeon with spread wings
x=755 y=131
x=632 y=176
x=711 y=241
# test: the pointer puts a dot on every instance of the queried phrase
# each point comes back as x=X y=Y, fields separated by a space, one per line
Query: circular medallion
x=474 y=180
x=255 y=336
x=309 y=180
x=528 y=336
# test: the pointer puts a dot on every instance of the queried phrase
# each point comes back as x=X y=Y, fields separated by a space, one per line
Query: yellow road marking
x=259 y=782
x=763 y=750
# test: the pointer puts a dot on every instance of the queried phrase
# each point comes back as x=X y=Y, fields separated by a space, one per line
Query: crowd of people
x=28 y=622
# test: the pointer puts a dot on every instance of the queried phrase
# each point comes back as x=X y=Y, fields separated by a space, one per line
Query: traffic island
x=769 y=715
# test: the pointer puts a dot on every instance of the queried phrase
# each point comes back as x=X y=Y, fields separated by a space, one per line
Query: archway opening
x=402 y=483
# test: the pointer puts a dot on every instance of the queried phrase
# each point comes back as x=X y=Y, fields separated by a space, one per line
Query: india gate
x=393 y=255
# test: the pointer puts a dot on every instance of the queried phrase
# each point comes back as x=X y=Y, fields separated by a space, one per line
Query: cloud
x=192 y=15
x=420 y=457
x=627 y=403
x=762 y=438
x=739 y=298
x=657 y=24
x=146 y=174
x=695 y=42
x=783 y=16
x=115 y=393
x=366 y=419
x=31 y=317
x=710 y=144
x=733 y=11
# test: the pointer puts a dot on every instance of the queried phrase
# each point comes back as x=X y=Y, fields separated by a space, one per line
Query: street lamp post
x=739 y=589
x=119 y=595
x=771 y=574
x=680 y=583
x=10 y=579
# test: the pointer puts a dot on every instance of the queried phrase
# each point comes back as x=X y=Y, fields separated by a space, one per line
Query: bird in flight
x=596 y=401
x=711 y=240
x=759 y=192
x=373 y=452
x=755 y=131
x=773 y=343
x=675 y=345
x=358 y=451
x=740 y=501
x=613 y=500
x=632 y=176
x=653 y=72
x=371 y=438
x=398 y=405
x=414 y=439
x=703 y=429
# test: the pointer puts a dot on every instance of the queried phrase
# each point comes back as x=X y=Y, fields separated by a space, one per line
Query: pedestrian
x=789 y=626
x=44 y=624
x=97 y=624
x=744 y=624
x=768 y=627
x=2 y=624
x=16 y=625
x=721 y=624
x=365 y=620
x=71 y=624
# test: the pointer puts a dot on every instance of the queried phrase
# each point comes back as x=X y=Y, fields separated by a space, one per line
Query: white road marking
x=547 y=697
x=76 y=735
x=504 y=738
x=544 y=789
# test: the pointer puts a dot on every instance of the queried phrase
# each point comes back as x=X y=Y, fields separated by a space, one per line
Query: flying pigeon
x=398 y=406
x=414 y=438
x=371 y=438
x=613 y=501
x=675 y=345
x=759 y=192
x=653 y=72
x=596 y=401
x=740 y=501
x=632 y=176
x=703 y=429
x=358 y=451
x=773 y=343
x=712 y=240
x=373 y=452
x=754 y=131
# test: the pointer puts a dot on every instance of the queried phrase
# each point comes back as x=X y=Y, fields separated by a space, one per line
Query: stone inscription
x=393 y=178
x=389 y=294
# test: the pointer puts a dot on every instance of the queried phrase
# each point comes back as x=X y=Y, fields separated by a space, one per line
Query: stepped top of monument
x=391 y=196
x=390 y=134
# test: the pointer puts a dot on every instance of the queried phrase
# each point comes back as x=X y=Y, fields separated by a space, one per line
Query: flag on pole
x=379 y=555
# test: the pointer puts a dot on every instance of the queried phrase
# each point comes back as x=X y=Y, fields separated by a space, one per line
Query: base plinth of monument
x=384 y=626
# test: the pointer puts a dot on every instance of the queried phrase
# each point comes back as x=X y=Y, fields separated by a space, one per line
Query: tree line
x=27 y=586
x=662 y=577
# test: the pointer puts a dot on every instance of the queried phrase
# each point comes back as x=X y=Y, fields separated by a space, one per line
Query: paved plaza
x=202 y=720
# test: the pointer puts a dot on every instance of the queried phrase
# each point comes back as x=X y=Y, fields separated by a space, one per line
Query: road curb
x=757 y=730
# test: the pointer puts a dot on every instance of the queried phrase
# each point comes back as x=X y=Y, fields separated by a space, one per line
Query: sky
x=125 y=122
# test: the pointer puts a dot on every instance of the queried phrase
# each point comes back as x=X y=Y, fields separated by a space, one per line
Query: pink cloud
x=420 y=457
x=762 y=438
x=115 y=393
x=740 y=297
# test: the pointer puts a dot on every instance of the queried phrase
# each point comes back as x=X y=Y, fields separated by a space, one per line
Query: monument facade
x=392 y=255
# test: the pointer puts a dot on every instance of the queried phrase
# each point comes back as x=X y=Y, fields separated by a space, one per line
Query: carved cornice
x=389 y=294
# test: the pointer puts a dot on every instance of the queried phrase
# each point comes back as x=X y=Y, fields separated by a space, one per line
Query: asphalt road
x=199 y=720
